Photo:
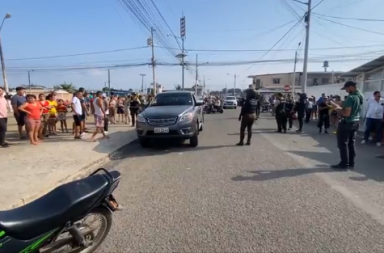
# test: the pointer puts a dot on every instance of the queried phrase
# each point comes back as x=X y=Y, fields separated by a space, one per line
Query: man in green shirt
x=348 y=125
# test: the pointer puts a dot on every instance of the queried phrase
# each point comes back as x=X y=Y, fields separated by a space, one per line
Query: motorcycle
x=38 y=226
x=212 y=109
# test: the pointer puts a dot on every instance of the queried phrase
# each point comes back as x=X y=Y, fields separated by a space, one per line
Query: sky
x=46 y=29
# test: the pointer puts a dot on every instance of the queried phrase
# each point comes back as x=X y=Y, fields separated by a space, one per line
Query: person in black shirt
x=289 y=109
x=281 y=114
x=300 y=109
x=324 y=107
x=247 y=116
x=134 y=108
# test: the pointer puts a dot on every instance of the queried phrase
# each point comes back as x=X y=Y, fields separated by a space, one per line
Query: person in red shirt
x=62 y=111
x=33 y=111
x=43 y=131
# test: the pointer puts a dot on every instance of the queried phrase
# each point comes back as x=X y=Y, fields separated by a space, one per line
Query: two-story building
x=278 y=81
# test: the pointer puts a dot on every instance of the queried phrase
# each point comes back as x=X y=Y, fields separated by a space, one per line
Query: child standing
x=33 y=110
x=62 y=115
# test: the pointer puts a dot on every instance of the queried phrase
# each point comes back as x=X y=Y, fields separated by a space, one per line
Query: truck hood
x=168 y=111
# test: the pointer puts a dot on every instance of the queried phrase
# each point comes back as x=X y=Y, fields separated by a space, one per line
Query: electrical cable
x=353 y=27
x=345 y=18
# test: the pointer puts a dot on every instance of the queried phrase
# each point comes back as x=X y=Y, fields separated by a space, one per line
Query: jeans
x=346 y=133
x=3 y=129
x=373 y=125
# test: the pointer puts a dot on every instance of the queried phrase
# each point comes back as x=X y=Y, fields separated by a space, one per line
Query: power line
x=293 y=27
x=73 y=55
x=190 y=50
x=317 y=5
x=345 y=18
x=352 y=27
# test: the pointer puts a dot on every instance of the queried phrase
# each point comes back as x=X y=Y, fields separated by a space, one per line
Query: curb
x=81 y=173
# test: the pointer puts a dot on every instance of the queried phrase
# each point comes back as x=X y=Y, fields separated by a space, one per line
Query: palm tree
x=69 y=87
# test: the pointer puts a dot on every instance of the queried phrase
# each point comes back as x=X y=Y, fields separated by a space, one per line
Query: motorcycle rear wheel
x=90 y=237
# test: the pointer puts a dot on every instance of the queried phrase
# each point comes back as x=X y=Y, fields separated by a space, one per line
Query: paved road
x=275 y=196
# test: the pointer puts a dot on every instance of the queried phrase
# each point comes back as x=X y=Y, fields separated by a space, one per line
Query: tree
x=69 y=87
x=177 y=87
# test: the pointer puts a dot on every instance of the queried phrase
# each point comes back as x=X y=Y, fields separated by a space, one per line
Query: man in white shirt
x=77 y=109
x=374 y=119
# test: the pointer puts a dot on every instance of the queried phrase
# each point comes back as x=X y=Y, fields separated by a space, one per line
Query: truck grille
x=161 y=122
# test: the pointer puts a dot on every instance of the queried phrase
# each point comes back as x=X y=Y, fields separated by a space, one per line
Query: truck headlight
x=186 y=117
x=140 y=118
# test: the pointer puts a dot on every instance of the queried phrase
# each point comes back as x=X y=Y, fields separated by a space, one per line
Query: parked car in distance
x=171 y=115
x=230 y=102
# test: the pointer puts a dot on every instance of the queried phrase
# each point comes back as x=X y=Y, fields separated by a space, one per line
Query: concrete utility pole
x=306 y=49
x=6 y=88
x=294 y=72
x=151 y=43
x=197 y=74
x=29 y=80
x=109 y=83
x=183 y=37
x=234 y=85
x=142 y=82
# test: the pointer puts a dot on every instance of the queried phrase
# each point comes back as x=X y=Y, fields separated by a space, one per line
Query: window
x=276 y=80
x=172 y=99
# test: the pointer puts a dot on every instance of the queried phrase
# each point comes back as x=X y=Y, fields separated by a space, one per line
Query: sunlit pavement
x=276 y=195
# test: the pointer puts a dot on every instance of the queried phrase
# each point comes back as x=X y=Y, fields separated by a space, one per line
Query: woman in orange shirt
x=33 y=110
x=62 y=115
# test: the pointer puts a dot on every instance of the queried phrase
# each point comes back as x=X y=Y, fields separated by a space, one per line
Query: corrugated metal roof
x=369 y=66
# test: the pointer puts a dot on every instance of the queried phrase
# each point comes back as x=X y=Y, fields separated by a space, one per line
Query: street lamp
x=2 y=56
x=29 y=80
x=142 y=82
x=181 y=56
x=234 y=83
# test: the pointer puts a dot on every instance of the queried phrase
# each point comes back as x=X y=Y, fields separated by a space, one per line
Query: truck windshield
x=172 y=99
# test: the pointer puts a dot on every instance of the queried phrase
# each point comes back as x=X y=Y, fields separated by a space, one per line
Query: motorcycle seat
x=67 y=202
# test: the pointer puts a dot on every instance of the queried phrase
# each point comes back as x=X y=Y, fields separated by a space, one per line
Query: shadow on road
x=266 y=175
x=367 y=164
x=135 y=150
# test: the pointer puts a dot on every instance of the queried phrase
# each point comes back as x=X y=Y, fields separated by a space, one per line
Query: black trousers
x=281 y=120
x=106 y=123
x=3 y=129
x=308 y=113
x=300 y=118
x=346 y=133
x=247 y=122
x=258 y=110
x=134 y=112
x=290 y=120
x=323 y=120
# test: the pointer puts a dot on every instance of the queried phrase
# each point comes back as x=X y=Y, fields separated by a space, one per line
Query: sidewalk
x=30 y=171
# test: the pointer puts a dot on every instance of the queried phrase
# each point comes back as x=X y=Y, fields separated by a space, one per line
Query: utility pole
x=142 y=82
x=305 y=64
x=183 y=37
x=151 y=43
x=234 y=85
x=6 y=88
x=197 y=74
x=29 y=80
x=109 y=83
x=294 y=72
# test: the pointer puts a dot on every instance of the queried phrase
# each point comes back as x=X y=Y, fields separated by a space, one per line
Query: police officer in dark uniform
x=248 y=116
x=289 y=109
x=281 y=114
x=348 y=125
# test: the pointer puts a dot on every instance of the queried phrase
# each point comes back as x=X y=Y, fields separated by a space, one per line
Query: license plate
x=161 y=130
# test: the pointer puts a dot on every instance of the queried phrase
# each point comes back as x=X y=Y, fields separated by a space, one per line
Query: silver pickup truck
x=171 y=115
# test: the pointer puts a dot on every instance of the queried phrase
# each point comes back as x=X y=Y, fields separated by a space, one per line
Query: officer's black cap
x=349 y=84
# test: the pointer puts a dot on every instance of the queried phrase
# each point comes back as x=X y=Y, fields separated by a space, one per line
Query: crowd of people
x=344 y=114
x=39 y=116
